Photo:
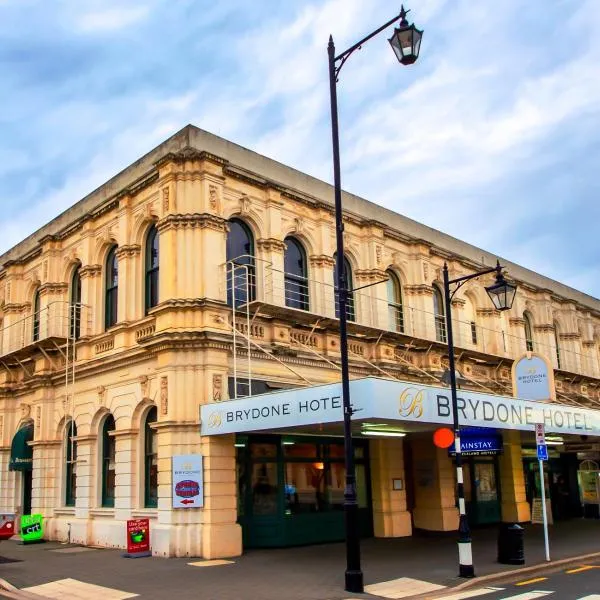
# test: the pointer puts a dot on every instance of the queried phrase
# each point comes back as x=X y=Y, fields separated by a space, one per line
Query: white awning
x=397 y=401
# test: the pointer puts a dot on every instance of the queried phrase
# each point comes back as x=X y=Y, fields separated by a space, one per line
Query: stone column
x=390 y=517
x=322 y=291
x=130 y=284
x=418 y=315
x=515 y=507
x=270 y=271
x=434 y=484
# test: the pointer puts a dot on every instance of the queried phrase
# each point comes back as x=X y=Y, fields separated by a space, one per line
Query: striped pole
x=465 y=554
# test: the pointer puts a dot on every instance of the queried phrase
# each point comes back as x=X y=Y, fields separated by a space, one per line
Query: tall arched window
x=439 y=312
x=295 y=275
x=71 y=464
x=528 y=332
x=557 y=344
x=394 y=298
x=151 y=265
x=36 y=316
x=108 y=462
x=111 y=303
x=241 y=281
x=350 y=314
x=150 y=461
x=75 y=307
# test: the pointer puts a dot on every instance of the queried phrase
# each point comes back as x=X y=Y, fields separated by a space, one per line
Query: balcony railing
x=53 y=324
x=255 y=281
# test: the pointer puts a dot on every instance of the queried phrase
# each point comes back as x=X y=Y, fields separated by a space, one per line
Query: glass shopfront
x=291 y=490
x=482 y=493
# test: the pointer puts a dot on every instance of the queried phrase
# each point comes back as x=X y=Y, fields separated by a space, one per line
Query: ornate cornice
x=47 y=288
x=485 y=312
x=90 y=271
x=16 y=307
x=569 y=336
x=371 y=274
x=322 y=260
x=189 y=154
x=544 y=328
x=588 y=343
x=192 y=220
x=271 y=245
x=128 y=251
x=516 y=321
x=420 y=289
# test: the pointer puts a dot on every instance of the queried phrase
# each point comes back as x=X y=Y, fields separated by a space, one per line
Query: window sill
x=64 y=511
x=145 y=513
x=102 y=512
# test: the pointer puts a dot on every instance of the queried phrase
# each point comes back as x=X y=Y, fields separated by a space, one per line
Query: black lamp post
x=406 y=43
x=502 y=293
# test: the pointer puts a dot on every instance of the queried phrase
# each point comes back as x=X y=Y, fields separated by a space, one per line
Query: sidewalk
x=313 y=572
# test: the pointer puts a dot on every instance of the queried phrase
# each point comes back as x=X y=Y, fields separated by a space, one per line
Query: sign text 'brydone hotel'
x=374 y=398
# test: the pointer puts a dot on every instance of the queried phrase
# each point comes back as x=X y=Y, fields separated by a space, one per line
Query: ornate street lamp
x=406 y=43
x=502 y=294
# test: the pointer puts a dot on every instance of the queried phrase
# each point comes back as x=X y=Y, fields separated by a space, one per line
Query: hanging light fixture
x=501 y=292
x=406 y=41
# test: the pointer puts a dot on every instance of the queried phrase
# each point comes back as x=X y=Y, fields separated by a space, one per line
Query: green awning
x=21 y=454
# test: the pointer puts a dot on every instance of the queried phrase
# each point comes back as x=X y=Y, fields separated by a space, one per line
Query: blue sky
x=492 y=136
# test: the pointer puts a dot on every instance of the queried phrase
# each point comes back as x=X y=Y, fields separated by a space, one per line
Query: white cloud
x=111 y=19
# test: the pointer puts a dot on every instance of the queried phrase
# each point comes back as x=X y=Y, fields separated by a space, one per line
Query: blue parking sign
x=542 y=452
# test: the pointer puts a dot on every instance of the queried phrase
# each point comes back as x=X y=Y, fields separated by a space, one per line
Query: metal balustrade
x=54 y=323
x=264 y=285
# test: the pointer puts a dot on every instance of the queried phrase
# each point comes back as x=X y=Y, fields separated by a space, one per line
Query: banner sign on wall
x=374 y=398
x=138 y=538
x=478 y=441
x=533 y=378
x=188 y=482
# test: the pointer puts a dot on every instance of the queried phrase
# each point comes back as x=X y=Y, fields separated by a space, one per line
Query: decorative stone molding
x=271 y=245
x=588 y=343
x=213 y=198
x=217 y=384
x=48 y=288
x=321 y=260
x=164 y=395
x=128 y=251
x=544 y=328
x=569 y=336
x=370 y=274
x=165 y=200
x=419 y=289
x=105 y=345
x=378 y=254
x=145 y=332
x=193 y=220
x=458 y=302
x=516 y=321
x=101 y=391
x=144 y=385
x=486 y=312
x=90 y=271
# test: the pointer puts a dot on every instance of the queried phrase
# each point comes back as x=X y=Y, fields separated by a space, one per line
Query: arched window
x=394 y=298
x=75 y=307
x=151 y=265
x=71 y=464
x=241 y=281
x=557 y=344
x=350 y=314
x=108 y=462
x=36 y=316
x=295 y=275
x=528 y=333
x=439 y=312
x=111 y=303
x=150 y=461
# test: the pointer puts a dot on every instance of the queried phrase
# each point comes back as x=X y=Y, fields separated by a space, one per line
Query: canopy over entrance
x=21 y=453
x=407 y=404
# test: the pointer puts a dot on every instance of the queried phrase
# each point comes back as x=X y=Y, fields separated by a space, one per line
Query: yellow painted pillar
x=434 y=486
x=515 y=507
x=390 y=516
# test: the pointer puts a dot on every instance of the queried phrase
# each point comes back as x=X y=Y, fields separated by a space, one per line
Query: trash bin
x=510 y=544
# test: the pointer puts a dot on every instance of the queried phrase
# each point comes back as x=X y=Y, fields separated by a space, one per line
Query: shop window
x=439 y=315
x=394 y=298
x=112 y=289
x=350 y=314
x=70 y=464
x=75 y=307
x=265 y=484
x=108 y=462
x=241 y=271
x=295 y=275
x=150 y=461
x=151 y=264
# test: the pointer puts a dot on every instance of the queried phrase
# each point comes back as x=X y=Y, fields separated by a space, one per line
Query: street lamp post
x=502 y=294
x=406 y=43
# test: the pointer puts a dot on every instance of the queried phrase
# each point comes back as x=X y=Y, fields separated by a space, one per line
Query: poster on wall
x=533 y=378
x=188 y=482
x=588 y=486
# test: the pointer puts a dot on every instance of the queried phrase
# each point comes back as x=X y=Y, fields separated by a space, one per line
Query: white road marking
x=470 y=593
x=528 y=595
x=591 y=597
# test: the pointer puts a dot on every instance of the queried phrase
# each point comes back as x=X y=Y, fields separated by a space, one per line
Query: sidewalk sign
x=537 y=516
x=31 y=529
x=138 y=538
x=7 y=526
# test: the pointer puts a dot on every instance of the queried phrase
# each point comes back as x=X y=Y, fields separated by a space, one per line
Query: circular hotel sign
x=533 y=378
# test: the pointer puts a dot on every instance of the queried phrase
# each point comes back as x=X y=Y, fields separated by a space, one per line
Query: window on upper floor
x=394 y=300
x=151 y=268
x=36 y=316
x=75 y=305
x=347 y=271
x=70 y=455
x=528 y=332
x=295 y=274
x=111 y=303
x=557 y=344
x=241 y=274
x=439 y=313
x=108 y=454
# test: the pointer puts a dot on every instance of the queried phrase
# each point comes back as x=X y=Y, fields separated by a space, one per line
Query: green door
x=485 y=498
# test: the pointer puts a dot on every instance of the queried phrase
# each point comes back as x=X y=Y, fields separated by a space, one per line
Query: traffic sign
x=542 y=452
x=540 y=436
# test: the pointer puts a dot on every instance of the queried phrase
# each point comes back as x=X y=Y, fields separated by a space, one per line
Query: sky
x=492 y=136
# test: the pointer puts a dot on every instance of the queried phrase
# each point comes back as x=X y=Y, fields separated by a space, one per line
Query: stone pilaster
x=515 y=507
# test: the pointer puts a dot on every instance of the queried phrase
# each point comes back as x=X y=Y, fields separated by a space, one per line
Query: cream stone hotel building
x=187 y=307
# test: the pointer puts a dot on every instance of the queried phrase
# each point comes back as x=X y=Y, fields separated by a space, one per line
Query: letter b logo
x=411 y=403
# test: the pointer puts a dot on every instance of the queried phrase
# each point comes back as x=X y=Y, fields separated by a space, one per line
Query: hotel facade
x=199 y=281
